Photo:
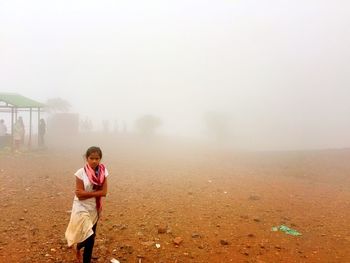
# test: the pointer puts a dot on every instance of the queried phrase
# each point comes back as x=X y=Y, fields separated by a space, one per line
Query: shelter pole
x=30 y=129
x=12 y=124
x=38 y=124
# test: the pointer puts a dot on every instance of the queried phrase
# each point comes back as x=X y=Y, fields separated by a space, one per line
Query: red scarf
x=96 y=180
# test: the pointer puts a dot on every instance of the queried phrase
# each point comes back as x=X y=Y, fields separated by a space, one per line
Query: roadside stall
x=12 y=104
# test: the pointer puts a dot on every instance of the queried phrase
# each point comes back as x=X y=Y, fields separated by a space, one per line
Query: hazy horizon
x=277 y=69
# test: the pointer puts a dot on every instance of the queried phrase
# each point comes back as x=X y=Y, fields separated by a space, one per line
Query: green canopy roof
x=18 y=101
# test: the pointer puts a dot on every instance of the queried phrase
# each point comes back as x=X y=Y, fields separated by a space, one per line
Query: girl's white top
x=90 y=203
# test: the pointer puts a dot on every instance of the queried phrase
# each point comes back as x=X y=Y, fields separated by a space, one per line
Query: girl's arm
x=82 y=194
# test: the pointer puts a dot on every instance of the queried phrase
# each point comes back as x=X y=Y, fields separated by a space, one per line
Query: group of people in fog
x=87 y=126
x=18 y=133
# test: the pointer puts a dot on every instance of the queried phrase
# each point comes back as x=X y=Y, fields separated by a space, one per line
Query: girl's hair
x=93 y=149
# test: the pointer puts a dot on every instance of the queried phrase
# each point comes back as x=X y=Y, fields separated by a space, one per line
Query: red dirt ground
x=205 y=196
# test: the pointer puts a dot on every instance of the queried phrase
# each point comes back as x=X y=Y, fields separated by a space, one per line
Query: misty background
x=277 y=70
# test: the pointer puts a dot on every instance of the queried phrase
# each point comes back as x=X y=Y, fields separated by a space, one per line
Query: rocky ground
x=181 y=204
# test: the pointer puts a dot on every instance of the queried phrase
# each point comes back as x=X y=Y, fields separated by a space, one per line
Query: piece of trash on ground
x=157 y=245
x=113 y=260
x=285 y=229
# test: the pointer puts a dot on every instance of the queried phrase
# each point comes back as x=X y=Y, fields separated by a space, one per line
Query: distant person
x=105 y=124
x=42 y=131
x=116 y=126
x=3 y=133
x=89 y=125
x=3 y=128
x=91 y=186
x=18 y=133
x=22 y=130
x=124 y=127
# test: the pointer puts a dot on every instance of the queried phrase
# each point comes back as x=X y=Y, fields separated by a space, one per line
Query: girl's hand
x=83 y=195
x=80 y=193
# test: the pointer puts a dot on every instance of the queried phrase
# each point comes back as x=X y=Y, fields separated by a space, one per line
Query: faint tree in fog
x=55 y=105
x=148 y=124
x=218 y=125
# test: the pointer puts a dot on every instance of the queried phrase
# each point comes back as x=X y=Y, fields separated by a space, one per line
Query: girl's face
x=93 y=160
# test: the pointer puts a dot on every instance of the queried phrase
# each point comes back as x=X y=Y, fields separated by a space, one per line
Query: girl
x=91 y=186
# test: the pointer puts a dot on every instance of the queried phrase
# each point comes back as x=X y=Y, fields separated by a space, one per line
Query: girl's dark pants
x=88 y=245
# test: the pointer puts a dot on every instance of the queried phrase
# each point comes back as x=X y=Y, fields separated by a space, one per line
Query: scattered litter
x=157 y=245
x=209 y=181
x=113 y=260
x=285 y=229
x=225 y=192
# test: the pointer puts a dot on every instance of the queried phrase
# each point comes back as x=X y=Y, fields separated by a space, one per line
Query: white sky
x=280 y=67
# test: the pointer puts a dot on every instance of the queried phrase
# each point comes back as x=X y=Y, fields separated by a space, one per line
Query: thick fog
x=276 y=71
